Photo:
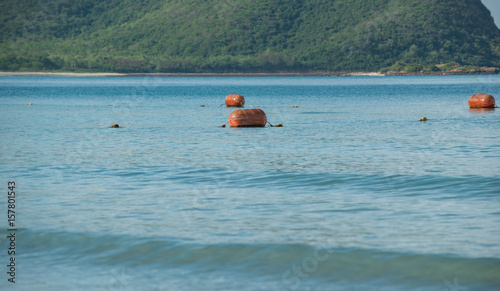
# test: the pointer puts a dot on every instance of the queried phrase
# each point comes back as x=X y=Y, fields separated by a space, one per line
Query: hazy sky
x=494 y=7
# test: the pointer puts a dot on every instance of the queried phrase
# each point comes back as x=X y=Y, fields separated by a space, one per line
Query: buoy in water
x=248 y=118
x=30 y=103
x=481 y=101
x=234 y=100
x=423 y=119
x=202 y=105
x=115 y=125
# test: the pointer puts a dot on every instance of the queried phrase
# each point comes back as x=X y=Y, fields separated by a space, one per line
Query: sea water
x=354 y=192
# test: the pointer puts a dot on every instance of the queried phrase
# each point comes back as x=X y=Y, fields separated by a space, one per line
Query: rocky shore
x=480 y=71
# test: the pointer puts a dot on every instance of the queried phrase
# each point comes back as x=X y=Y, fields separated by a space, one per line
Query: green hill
x=243 y=35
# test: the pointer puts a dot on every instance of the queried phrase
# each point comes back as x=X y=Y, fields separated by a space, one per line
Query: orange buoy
x=247 y=118
x=482 y=101
x=235 y=100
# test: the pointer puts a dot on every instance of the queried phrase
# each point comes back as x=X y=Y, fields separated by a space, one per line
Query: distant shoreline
x=294 y=74
x=291 y=74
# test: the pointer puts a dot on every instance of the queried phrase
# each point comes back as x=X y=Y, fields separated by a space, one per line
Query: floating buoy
x=279 y=125
x=295 y=106
x=248 y=118
x=481 y=101
x=234 y=100
x=115 y=125
x=423 y=119
x=202 y=105
x=30 y=103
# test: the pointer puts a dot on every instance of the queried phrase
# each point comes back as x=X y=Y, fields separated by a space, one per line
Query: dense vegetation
x=244 y=35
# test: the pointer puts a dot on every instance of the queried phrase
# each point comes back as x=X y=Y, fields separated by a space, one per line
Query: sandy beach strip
x=62 y=74
x=290 y=74
x=364 y=74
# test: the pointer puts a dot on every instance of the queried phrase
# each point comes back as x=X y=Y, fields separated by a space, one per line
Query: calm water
x=353 y=193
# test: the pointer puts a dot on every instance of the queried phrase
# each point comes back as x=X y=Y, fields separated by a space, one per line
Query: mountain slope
x=244 y=35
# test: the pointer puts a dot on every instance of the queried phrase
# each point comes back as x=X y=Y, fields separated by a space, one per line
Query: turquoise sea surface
x=353 y=193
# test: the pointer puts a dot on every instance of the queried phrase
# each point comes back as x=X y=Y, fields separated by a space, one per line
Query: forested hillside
x=243 y=35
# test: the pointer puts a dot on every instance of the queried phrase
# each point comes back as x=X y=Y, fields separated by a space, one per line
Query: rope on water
x=224 y=125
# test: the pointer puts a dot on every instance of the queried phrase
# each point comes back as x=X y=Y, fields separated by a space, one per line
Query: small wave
x=291 y=266
x=401 y=185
